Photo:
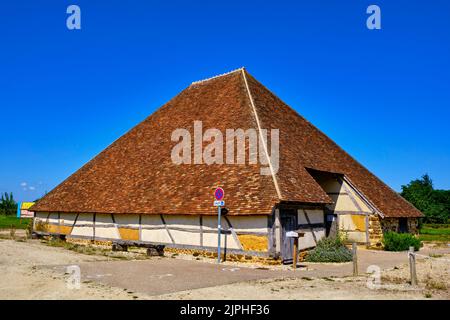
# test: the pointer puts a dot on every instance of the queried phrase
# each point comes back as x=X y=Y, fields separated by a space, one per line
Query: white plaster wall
x=156 y=232
x=127 y=220
x=154 y=235
x=186 y=237
x=364 y=207
x=67 y=219
x=84 y=219
x=210 y=223
x=53 y=218
x=183 y=221
x=105 y=228
x=210 y=240
x=41 y=217
x=257 y=224
x=314 y=215
x=307 y=241
x=342 y=202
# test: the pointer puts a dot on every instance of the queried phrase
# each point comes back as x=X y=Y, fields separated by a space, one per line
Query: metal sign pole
x=218 y=233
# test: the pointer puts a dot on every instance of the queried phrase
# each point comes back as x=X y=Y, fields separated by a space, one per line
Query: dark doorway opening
x=403 y=225
x=289 y=222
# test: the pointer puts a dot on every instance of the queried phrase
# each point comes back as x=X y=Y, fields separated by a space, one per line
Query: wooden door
x=288 y=219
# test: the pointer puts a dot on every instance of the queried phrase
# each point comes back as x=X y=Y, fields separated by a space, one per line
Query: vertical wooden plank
x=140 y=227
x=367 y=231
x=358 y=207
x=167 y=229
x=93 y=226
x=355 y=259
x=233 y=233
x=278 y=232
x=201 y=230
x=116 y=226
x=310 y=227
x=294 y=254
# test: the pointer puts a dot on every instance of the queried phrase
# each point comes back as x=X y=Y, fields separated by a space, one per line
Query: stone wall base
x=378 y=226
x=235 y=257
x=105 y=244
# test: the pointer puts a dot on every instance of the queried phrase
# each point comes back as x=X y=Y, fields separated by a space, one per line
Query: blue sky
x=383 y=95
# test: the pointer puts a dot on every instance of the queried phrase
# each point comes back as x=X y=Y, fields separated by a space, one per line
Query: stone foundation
x=235 y=257
x=392 y=224
x=375 y=232
x=105 y=244
x=378 y=226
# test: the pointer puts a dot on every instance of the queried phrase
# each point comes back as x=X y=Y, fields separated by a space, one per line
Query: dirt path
x=26 y=273
x=31 y=270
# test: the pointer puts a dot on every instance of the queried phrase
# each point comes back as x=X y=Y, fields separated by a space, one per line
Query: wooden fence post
x=294 y=254
x=355 y=259
x=412 y=266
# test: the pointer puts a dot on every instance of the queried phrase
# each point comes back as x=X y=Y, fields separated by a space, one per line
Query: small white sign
x=219 y=203
x=292 y=234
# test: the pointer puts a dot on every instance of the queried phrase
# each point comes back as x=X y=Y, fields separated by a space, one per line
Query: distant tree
x=435 y=204
x=7 y=204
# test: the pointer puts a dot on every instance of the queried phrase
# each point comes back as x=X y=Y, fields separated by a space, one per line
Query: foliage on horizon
x=8 y=206
x=434 y=204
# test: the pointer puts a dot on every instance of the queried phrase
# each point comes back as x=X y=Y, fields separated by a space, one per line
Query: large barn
x=134 y=191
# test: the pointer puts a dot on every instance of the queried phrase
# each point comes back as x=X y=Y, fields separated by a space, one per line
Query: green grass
x=7 y=221
x=439 y=231
x=435 y=233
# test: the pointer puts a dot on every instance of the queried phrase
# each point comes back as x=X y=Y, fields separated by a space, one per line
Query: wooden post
x=412 y=266
x=294 y=254
x=355 y=259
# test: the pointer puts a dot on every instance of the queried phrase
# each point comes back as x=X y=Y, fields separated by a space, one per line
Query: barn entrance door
x=288 y=219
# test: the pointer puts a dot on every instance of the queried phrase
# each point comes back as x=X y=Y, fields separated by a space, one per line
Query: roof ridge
x=218 y=76
x=252 y=103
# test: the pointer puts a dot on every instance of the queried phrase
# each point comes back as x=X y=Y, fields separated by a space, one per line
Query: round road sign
x=219 y=194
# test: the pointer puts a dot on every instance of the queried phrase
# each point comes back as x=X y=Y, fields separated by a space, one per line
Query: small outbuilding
x=134 y=191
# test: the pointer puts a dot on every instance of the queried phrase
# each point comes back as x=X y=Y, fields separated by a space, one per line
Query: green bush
x=394 y=241
x=330 y=249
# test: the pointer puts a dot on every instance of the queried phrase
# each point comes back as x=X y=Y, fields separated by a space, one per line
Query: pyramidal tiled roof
x=135 y=174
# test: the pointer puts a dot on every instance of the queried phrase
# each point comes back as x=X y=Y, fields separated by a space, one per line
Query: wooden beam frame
x=167 y=229
x=366 y=220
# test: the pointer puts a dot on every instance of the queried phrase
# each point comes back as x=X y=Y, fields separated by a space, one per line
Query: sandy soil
x=27 y=271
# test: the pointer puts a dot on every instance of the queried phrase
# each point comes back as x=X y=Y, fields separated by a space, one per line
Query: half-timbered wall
x=352 y=211
x=242 y=233
x=311 y=222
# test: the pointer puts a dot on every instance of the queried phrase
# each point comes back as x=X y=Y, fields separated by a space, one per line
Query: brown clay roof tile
x=135 y=174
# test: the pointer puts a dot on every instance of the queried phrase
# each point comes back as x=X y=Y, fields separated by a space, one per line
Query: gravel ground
x=32 y=270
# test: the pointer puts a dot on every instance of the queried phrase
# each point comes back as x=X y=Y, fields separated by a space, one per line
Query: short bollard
x=412 y=266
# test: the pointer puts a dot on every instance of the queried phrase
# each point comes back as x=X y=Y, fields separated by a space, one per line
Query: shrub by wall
x=329 y=250
x=394 y=241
